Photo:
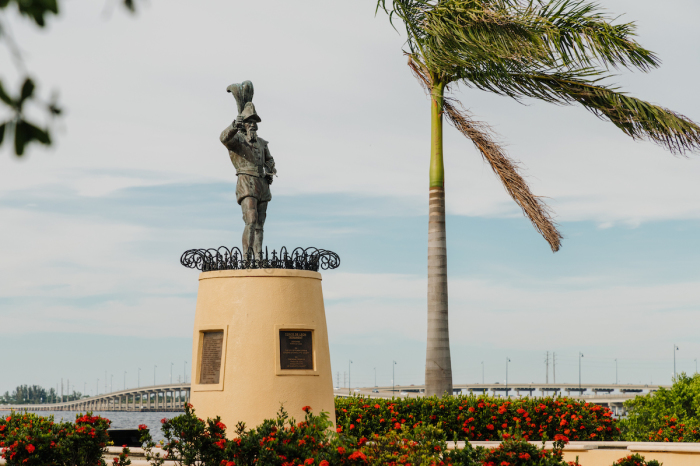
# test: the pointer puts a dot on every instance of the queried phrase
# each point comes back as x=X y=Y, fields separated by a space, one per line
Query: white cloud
x=343 y=114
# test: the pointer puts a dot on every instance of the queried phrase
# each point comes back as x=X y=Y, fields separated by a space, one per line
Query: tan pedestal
x=242 y=369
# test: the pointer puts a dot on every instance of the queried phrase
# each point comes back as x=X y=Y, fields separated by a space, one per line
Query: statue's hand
x=268 y=178
x=238 y=122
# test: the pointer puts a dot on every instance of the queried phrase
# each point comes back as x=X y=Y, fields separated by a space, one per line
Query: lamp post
x=393 y=380
x=675 y=348
x=171 y=372
x=184 y=373
x=507 y=361
x=349 y=383
x=580 y=355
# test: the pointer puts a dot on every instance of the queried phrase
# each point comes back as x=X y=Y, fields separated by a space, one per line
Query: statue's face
x=251 y=129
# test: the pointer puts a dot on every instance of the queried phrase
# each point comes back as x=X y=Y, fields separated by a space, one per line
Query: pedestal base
x=260 y=341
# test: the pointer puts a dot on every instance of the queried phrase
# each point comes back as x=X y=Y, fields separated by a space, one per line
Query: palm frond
x=580 y=33
x=533 y=207
x=635 y=117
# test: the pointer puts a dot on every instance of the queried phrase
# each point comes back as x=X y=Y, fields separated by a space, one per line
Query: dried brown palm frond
x=533 y=207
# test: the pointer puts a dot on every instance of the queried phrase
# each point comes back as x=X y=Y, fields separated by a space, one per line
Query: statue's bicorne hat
x=249 y=113
x=243 y=93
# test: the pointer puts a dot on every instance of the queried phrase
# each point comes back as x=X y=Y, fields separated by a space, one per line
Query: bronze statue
x=254 y=166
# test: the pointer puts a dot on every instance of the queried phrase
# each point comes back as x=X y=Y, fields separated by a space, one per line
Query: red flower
x=30 y=448
x=164 y=420
x=221 y=425
x=524 y=456
x=490 y=427
x=377 y=406
x=358 y=455
x=309 y=460
x=324 y=463
x=306 y=409
x=341 y=450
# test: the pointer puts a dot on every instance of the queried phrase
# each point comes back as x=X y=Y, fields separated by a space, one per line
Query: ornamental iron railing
x=223 y=258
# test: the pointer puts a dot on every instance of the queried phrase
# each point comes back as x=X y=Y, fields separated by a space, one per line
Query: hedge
x=479 y=418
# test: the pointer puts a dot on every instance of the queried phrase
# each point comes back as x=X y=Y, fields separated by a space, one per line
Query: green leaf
x=21 y=135
x=37 y=9
x=25 y=133
x=27 y=90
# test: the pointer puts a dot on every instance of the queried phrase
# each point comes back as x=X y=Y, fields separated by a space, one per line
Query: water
x=120 y=419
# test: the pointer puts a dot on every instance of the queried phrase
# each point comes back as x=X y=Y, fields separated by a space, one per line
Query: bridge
x=171 y=397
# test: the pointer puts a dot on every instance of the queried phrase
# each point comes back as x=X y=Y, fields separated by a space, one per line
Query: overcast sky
x=91 y=231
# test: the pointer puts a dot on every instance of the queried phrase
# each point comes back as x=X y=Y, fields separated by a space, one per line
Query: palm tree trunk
x=438 y=365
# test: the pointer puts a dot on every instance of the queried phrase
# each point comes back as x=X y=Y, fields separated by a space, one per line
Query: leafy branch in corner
x=17 y=125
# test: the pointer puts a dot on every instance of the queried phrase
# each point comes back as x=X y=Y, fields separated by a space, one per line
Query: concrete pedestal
x=243 y=367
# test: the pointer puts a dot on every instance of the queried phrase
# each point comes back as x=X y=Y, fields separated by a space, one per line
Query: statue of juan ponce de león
x=259 y=337
x=254 y=165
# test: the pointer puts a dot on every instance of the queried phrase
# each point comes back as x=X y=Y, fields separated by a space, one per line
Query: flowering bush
x=514 y=451
x=27 y=439
x=668 y=415
x=283 y=442
x=635 y=460
x=479 y=418
x=673 y=431
x=188 y=440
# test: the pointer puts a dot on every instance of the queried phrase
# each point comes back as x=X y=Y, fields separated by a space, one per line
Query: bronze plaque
x=296 y=350
x=210 y=365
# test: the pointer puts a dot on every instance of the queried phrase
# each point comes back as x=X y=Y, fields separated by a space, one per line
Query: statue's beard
x=251 y=136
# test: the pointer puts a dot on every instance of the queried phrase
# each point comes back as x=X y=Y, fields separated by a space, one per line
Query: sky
x=92 y=229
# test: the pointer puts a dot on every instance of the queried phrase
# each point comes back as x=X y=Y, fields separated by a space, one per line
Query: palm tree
x=558 y=51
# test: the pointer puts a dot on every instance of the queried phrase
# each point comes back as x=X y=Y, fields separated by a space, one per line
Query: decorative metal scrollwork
x=224 y=258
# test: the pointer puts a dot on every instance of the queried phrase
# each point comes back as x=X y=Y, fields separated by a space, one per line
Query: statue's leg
x=262 y=214
x=250 y=217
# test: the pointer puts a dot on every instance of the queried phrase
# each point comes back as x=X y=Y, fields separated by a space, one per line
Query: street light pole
x=184 y=373
x=580 y=355
x=675 y=348
x=349 y=383
x=507 y=361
